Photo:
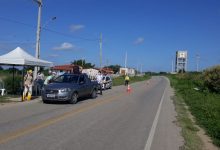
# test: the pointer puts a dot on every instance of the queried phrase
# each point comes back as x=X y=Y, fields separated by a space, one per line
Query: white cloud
x=65 y=46
x=139 y=40
x=76 y=27
x=54 y=55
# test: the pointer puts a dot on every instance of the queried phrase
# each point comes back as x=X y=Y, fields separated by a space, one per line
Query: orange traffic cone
x=128 y=89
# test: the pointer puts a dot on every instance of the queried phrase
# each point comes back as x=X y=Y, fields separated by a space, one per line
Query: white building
x=128 y=71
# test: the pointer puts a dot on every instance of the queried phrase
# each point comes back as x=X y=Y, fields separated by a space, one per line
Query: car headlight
x=64 y=90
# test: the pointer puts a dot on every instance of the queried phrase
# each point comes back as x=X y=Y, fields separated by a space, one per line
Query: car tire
x=94 y=94
x=74 y=98
x=45 y=101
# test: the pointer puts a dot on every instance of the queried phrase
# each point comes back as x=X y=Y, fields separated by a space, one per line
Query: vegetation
x=115 y=68
x=13 y=86
x=212 y=79
x=83 y=63
x=120 y=80
x=203 y=100
x=189 y=131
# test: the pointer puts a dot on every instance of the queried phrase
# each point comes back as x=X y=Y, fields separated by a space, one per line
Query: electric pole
x=37 y=54
x=126 y=57
x=100 y=43
x=197 y=62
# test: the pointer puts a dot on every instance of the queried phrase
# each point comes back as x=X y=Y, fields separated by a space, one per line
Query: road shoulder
x=168 y=133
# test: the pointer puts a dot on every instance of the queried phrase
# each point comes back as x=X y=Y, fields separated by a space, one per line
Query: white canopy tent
x=19 y=57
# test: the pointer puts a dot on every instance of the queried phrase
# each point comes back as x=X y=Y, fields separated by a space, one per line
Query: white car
x=107 y=82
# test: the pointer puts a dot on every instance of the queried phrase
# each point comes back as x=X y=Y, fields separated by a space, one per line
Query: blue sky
x=150 y=31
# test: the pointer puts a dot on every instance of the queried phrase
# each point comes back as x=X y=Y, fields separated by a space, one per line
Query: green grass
x=203 y=105
x=189 y=131
x=120 y=80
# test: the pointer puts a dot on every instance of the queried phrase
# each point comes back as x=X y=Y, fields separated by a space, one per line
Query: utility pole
x=126 y=57
x=100 y=43
x=172 y=66
x=197 y=62
x=37 y=54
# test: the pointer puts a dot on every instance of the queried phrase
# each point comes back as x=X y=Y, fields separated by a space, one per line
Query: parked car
x=69 y=87
x=107 y=82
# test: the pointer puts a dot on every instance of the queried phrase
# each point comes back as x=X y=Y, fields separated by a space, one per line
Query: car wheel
x=94 y=93
x=74 y=98
x=45 y=101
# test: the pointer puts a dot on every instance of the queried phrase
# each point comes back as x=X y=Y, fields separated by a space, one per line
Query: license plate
x=51 y=95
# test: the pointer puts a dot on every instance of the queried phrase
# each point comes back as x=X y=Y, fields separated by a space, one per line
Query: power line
x=49 y=30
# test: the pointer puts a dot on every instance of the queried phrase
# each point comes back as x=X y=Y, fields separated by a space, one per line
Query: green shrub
x=212 y=78
x=13 y=87
x=205 y=106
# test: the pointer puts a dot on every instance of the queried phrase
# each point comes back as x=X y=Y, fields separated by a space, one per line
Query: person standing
x=127 y=79
x=28 y=83
x=99 y=80
x=39 y=81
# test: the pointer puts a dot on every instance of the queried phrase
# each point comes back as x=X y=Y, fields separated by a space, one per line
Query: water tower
x=181 y=61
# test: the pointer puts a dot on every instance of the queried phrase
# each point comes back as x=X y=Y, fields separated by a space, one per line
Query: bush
x=9 y=84
x=212 y=79
x=204 y=106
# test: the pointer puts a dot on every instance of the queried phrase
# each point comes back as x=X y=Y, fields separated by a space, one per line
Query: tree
x=1 y=68
x=115 y=68
x=83 y=63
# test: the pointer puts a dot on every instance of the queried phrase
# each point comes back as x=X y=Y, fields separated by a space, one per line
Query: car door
x=82 y=86
x=85 y=86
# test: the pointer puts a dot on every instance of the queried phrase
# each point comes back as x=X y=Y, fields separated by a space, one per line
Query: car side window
x=107 y=79
x=81 y=80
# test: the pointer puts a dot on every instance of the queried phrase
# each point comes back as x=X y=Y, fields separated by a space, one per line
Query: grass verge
x=189 y=131
x=120 y=80
x=203 y=105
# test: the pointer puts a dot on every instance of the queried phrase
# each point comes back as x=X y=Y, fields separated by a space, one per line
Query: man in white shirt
x=99 y=80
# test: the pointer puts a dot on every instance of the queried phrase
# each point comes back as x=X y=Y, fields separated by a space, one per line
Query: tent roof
x=19 y=57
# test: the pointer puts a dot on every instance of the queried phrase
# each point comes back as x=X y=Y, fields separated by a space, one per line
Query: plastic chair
x=2 y=88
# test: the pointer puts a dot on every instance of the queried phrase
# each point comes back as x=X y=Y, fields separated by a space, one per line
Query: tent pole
x=13 y=85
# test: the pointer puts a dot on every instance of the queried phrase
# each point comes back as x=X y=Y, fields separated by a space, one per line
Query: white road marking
x=154 y=125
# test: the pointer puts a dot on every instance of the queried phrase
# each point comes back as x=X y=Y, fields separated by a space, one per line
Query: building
x=181 y=61
x=128 y=71
x=68 y=68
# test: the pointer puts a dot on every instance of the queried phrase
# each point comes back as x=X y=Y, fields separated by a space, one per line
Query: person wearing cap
x=28 y=82
x=49 y=78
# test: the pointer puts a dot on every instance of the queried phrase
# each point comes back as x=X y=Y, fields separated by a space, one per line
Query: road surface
x=143 y=119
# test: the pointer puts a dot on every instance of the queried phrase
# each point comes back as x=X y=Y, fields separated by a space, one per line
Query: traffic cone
x=128 y=89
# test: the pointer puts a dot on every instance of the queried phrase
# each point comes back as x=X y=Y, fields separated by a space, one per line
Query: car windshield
x=67 y=79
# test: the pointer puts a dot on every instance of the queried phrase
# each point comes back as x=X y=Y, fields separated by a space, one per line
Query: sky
x=149 y=31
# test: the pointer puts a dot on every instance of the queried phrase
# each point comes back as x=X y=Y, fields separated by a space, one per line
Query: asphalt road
x=143 y=119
